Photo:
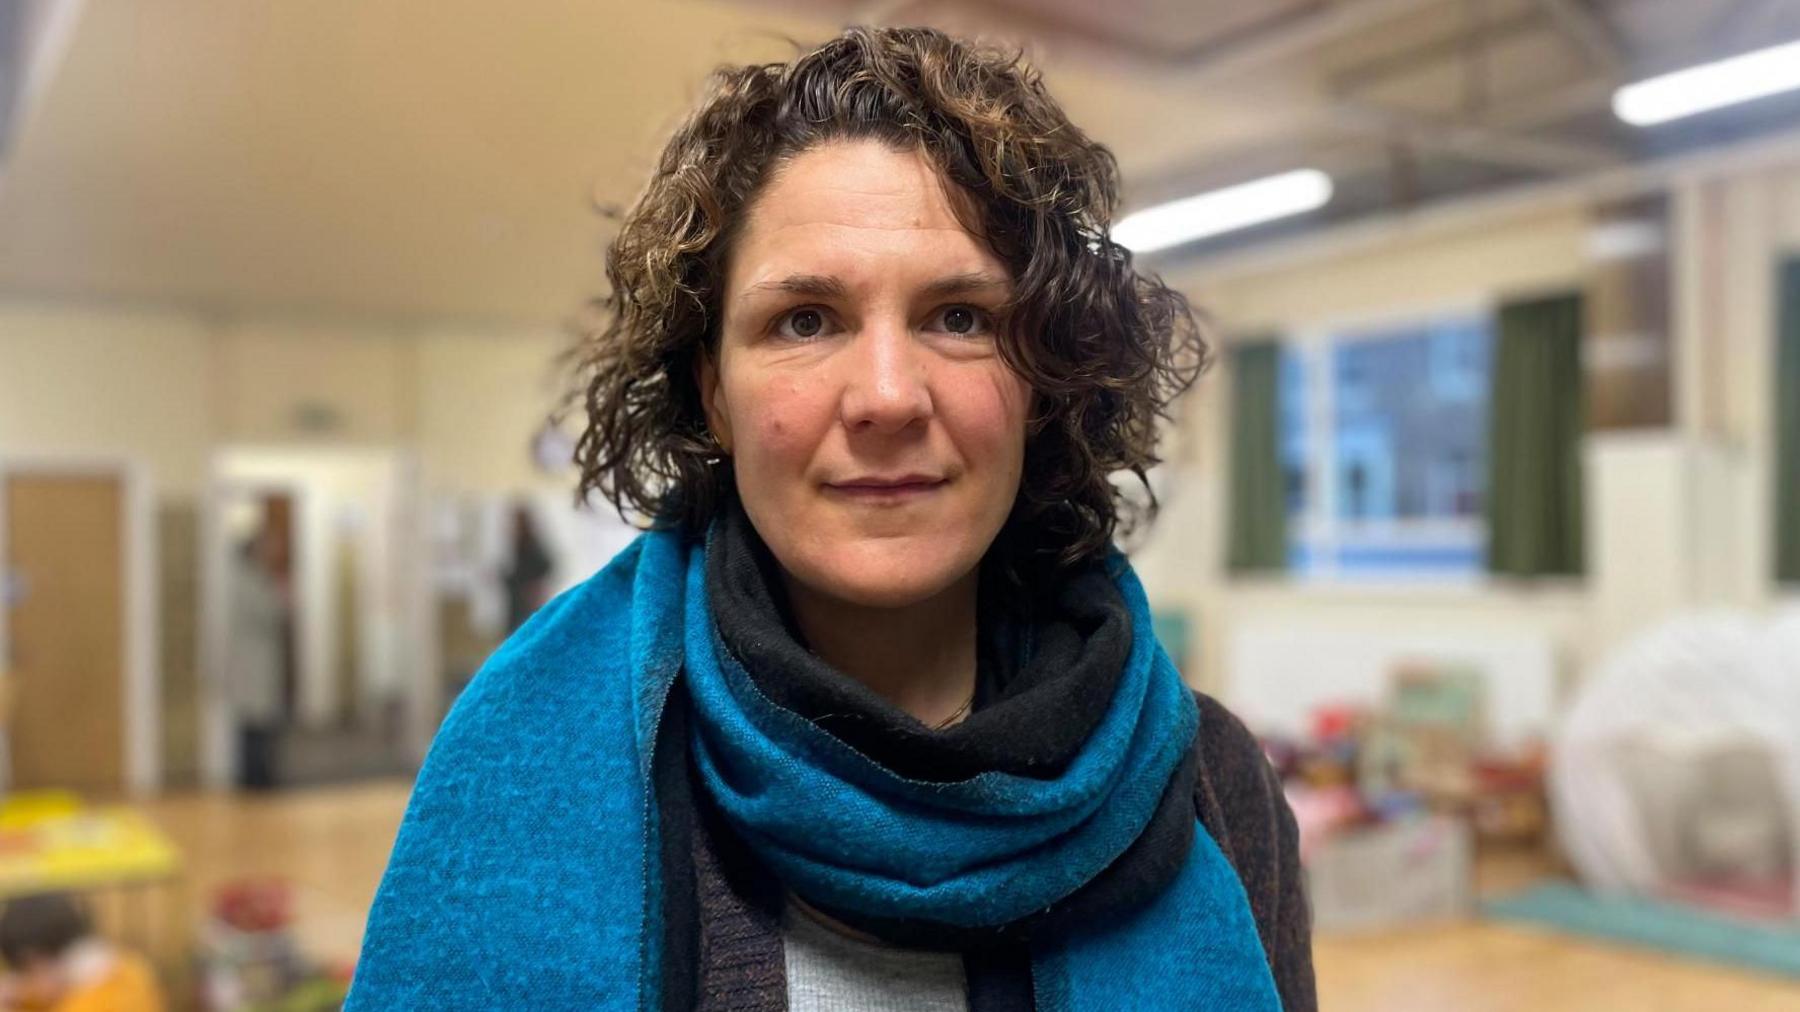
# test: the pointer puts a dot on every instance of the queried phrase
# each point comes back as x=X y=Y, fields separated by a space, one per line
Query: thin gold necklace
x=956 y=714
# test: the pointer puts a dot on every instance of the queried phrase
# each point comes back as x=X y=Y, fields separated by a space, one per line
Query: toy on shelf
x=1393 y=800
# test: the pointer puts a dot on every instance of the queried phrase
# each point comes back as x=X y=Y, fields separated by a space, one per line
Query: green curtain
x=1787 y=427
x=1258 y=517
x=1534 y=496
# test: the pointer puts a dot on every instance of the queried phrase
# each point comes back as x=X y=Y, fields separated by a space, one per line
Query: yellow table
x=112 y=855
x=83 y=850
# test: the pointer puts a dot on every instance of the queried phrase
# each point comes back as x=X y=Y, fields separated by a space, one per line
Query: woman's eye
x=964 y=320
x=803 y=323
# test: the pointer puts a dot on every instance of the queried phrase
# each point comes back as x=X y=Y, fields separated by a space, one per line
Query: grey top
x=828 y=971
x=255 y=650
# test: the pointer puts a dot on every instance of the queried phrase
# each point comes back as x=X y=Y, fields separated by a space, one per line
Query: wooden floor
x=333 y=843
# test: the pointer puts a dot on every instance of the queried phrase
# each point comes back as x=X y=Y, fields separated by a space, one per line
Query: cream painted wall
x=353 y=381
x=169 y=388
x=1529 y=253
x=480 y=399
x=119 y=383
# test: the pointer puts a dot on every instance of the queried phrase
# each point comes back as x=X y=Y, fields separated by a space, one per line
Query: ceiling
x=442 y=159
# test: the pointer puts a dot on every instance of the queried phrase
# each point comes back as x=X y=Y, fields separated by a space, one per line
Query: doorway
x=326 y=535
x=77 y=691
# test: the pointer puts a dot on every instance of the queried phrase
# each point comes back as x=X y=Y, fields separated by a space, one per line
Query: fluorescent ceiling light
x=1223 y=210
x=1710 y=86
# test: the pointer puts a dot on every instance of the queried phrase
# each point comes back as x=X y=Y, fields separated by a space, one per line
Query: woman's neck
x=921 y=658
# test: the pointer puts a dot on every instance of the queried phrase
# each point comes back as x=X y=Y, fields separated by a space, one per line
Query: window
x=1384 y=448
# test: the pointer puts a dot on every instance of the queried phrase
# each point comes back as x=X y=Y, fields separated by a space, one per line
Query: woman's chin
x=892 y=576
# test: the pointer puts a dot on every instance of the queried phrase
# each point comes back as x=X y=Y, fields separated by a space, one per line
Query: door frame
x=141 y=695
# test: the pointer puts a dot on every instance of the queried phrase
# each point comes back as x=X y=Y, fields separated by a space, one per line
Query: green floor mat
x=1771 y=946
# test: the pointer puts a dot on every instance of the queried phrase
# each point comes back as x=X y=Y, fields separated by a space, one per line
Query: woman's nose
x=887 y=389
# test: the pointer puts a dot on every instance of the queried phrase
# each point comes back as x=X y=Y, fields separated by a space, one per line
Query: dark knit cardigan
x=1238 y=799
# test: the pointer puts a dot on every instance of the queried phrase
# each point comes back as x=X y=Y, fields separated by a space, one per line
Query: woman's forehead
x=851 y=208
x=864 y=180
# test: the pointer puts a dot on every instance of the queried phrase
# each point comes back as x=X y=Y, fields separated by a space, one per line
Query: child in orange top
x=57 y=964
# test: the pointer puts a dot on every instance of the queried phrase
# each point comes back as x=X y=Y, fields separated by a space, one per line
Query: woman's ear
x=712 y=398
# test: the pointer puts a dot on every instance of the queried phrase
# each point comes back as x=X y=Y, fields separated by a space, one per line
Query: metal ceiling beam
x=1290 y=36
x=1477 y=142
x=1585 y=25
x=1282 y=36
x=1502 y=136
x=1453 y=45
x=1578 y=98
x=1748 y=22
x=12 y=68
x=1622 y=182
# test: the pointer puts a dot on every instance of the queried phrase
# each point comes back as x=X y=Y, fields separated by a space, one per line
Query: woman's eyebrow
x=818 y=286
x=824 y=286
x=964 y=284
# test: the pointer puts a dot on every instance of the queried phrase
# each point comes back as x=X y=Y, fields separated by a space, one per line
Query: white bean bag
x=1682 y=746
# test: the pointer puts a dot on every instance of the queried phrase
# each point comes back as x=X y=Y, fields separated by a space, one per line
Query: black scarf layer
x=1042 y=686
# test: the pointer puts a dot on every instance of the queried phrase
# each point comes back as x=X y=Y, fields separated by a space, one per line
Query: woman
x=874 y=717
x=257 y=663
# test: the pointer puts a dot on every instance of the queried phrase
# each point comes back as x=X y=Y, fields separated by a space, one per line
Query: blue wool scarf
x=526 y=875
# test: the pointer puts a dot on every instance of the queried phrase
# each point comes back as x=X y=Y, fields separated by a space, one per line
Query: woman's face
x=876 y=436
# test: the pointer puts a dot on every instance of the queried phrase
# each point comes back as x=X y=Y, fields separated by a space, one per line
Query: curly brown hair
x=1105 y=348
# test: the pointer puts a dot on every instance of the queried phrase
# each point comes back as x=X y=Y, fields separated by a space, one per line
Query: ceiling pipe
x=1586 y=26
x=1275 y=38
x=1477 y=141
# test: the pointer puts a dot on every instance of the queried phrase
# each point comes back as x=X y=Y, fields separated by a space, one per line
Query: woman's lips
x=885 y=491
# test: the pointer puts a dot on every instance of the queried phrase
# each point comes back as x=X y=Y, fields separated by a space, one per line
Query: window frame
x=1319 y=525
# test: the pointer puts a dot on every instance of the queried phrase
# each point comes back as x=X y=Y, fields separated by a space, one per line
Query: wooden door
x=65 y=556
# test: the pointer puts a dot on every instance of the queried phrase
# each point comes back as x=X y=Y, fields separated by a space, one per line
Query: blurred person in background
x=527 y=576
x=258 y=653
x=874 y=716
x=56 y=962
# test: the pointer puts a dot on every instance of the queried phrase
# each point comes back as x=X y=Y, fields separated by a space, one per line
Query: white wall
x=169 y=388
x=1527 y=253
x=481 y=396
x=97 y=381
x=314 y=381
